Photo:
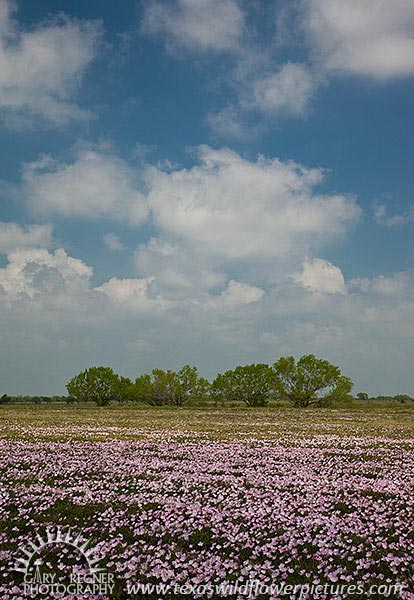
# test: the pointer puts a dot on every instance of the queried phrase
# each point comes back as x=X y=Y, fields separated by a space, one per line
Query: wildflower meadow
x=215 y=504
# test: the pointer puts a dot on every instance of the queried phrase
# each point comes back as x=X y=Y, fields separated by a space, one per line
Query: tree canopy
x=98 y=384
x=310 y=380
x=253 y=384
x=307 y=382
x=171 y=388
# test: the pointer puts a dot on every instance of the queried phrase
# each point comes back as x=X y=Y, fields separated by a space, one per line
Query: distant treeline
x=397 y=398
x=306 y=382
x=5 y=399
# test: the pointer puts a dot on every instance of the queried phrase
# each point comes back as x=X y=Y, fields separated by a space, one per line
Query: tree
x=97 y=384
x=403 y=398
x=253 y=384
x=5 y=399
x=141 y=390
x=310 y=380
x=362 y=396
x=162 y=388
x=193 y=387
x=165 y=388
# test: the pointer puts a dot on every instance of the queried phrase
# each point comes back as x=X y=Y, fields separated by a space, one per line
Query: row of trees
x=363 y=397
x=5 y=399
x=402 y=398
x=303 y=383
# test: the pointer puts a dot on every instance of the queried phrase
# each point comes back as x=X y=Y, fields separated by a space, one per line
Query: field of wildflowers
x=200 y=498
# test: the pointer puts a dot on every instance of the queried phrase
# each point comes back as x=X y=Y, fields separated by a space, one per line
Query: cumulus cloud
x=95 y=184
x=398 y=285
x=196 y=25
x=260 y=84
x=234 y=209
x=40 y=276
x=288 y=91
x=370 y=38
x=363 y=37
x=319 y=275
x=225 y=206
x=136 y=295
x=41 y=68
x=132 y=294
x=31 y=273
x=178 y=269
x=236 y=294
x=230 y=122
x=113 y=242
x=14 y=236
x=222 y=213
x=263 y=96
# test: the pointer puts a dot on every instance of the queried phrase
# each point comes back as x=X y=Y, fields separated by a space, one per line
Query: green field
x=139 y=422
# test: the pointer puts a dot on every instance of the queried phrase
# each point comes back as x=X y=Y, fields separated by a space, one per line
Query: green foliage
x=5 y=399
x=310 y=381
x=38 y=399
x=403 y=398
x=141 y=390
x=98 y=384
x=253 y=384
x=162 y=388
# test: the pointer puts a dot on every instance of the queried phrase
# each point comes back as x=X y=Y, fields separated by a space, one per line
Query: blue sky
x=205 y=181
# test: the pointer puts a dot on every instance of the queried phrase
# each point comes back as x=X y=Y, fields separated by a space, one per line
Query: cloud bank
x=41 y=68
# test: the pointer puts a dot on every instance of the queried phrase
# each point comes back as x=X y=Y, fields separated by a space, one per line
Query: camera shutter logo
x=58 y=537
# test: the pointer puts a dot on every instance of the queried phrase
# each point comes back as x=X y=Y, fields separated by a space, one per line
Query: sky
x=212 y=182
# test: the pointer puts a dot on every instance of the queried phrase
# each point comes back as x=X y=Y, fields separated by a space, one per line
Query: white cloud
x=204 y=25
x=319 y=275
x=41 y=68
x=222 y=211
x=383 y=217
x=264 y=96
x=398 y=285
x=179 y=270
x=370 y=38
x=261 y=85
x=230 y=122
x=96 y=184
x=136 y=295
x=235 y=295
x=14 y=236
x=113 y=242
x=46 y=279
x=229 y=208
x=31 y=273
x=132 y=294
x=363 y=37
x=288 y=91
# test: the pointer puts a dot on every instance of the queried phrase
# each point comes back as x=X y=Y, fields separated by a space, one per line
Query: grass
x=86 y=422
